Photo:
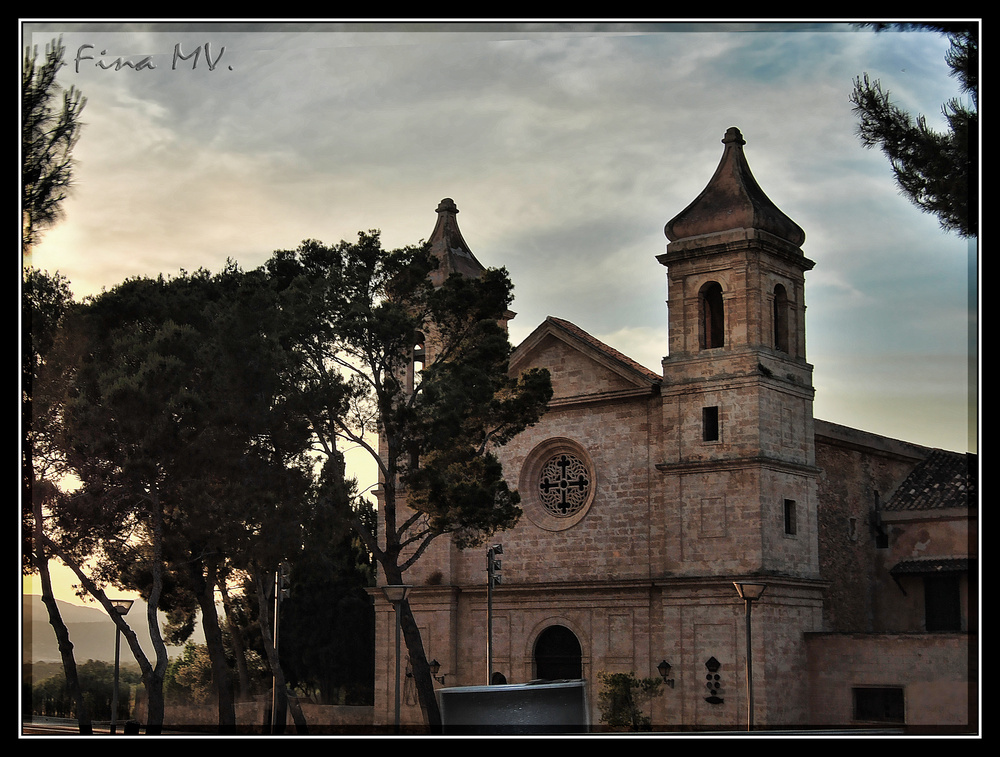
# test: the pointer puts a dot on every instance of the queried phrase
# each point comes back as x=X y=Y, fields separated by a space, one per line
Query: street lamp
x=748 y=593
x=280 y=592
x=121 y=606
x=396 y=593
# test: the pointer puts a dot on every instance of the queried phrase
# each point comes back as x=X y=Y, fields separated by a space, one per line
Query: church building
x=651 y=498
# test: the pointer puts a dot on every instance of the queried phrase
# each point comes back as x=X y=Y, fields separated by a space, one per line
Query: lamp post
x=121 y=606
x=280 y=592
x=748 y=593
x=396 y=593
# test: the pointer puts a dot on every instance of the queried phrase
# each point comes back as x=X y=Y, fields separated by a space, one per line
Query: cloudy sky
x=566 y=147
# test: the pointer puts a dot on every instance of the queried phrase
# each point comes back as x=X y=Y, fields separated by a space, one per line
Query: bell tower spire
x=732 y=200
x=736 y=269
x=449 y=247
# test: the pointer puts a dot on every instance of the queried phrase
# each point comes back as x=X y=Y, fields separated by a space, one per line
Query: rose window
x=564 y=485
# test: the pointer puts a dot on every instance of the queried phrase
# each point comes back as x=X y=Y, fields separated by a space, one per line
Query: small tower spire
x=733 y=200
x=448 y=246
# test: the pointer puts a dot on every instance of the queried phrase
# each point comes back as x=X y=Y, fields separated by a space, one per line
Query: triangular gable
x=581 y=366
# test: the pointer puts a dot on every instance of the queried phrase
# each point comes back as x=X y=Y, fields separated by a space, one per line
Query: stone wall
x=252 y=716
x=857 y=470
x=937 y=673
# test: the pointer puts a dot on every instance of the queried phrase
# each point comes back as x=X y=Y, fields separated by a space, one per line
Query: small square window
x=710 y=424
x=880 y=705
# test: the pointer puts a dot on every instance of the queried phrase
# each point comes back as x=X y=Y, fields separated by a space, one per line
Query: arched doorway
x=558 y=654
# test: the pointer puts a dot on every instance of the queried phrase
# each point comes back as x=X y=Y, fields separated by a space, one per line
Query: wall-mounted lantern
x=664 y=670
x=435 y=666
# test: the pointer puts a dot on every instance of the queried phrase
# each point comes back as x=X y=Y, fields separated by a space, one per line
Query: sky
x=566 y=146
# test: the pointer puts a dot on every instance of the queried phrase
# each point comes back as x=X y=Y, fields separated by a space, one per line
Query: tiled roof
x=925 y=565
x=944 y=479
x=611 y=352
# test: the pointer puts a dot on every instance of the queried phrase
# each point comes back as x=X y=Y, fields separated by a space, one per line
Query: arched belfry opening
x=558 y=655
x=416 y=362
x=713 y=322
x=780 y=319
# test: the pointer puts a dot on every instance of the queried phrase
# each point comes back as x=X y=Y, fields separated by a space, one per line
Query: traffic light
x=492 y=579
x=283 y=581
x=493 y=564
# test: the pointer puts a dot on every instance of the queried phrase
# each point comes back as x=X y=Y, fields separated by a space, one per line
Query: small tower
x=454 y=257
x=737 y=390
x=433 y=597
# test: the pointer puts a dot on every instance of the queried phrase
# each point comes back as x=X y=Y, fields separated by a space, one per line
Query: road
x=45 y=726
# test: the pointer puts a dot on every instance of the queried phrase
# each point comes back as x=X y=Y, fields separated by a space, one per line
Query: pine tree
x=50 y=128
x=936 y=171
x=353 y=314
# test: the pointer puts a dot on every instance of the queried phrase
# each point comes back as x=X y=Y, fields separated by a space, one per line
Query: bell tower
x=737 y=390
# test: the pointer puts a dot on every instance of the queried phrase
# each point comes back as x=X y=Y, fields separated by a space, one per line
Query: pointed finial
x=447 y=205
x=733 y=135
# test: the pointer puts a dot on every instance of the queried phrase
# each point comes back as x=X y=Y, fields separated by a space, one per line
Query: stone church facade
x=647 y=495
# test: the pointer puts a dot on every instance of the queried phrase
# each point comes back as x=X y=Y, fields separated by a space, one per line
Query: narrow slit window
x=790 y=524
x=710 y=424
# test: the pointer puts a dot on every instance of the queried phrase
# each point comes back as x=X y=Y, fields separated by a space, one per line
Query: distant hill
x=90 y=629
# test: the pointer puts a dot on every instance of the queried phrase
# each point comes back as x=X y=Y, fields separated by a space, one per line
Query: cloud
x=566 y=147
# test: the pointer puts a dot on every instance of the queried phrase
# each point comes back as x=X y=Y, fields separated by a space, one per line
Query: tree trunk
x=221 y=676
x=155 y=706
x=420 y=668
x=239 y=645
x=152 y=675
x=41 y=562
x=65 y=650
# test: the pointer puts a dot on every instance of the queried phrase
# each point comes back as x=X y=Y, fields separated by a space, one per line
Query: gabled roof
x=944 y=479
x=593 y=347
x=733 y=200
x=610 y=352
